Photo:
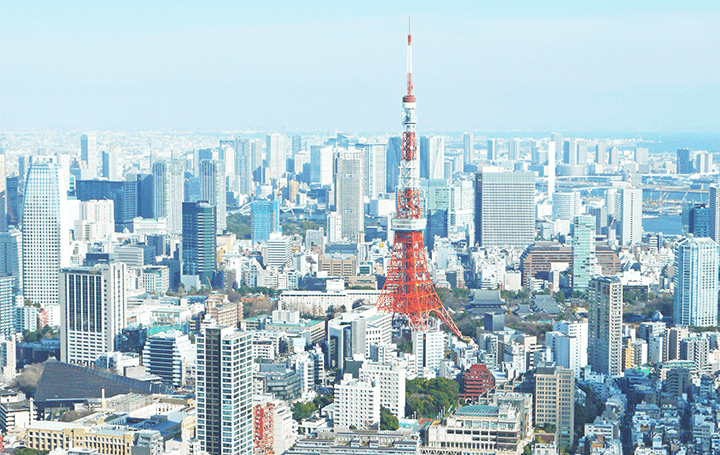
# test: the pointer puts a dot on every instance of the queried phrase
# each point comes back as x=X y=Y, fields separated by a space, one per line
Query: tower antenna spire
x=409 y=291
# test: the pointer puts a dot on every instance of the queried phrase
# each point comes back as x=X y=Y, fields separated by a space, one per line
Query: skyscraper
x=92 y=311
x=570 y=151
x=265 y=219
x=685 y=158
x=199 y=241
x=468 y=148
x=696 y=282
x=88 y=153
x=334 y=227
x=605 y=325
x=583 y=251
x=491 y=150
x=514 y=149
x=715 y=212
x=432 y=157
x=212 y=190
x=630 y=216
x=45 y=243
x=7 y=306
x=224 y=391
x=3 y=192
x=296 y=144
x=375 y=156
x=111 y=164
x=243 y=166
x=276 y=157
x=256 y=160
x=348 y=193
x=551 y=170
x=321 y=164
x=600 y=153
x=169 y=181
x=11 y=256
x=555 y=398
x=392 y=163
x=505 y=209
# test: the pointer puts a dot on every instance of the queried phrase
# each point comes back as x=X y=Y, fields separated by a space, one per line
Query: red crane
x=408 y=291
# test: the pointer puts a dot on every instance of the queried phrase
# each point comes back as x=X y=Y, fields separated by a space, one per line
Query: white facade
x=166 y=355
x=577 y=357
x=275 y=155
x=630 y=216
x=334 y=227
x=349 y=184
x=45 y=233
x=321 y=164
x=391 y=380
x=375 y=169
x=97 y=220
x=224 y=369
x=92 y=303
x=278 y=250
x=428 y=349
x=212 y=190
x=357 y=403
x=696 y=282
x=432 y=157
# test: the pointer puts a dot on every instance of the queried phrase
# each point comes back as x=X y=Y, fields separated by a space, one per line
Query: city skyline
x=526 y=66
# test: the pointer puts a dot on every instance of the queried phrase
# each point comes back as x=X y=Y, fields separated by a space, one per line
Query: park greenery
x=304 y=410
x=429 y=397
x=387 y=420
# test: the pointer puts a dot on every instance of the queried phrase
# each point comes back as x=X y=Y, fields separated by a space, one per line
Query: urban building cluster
x=187 y=294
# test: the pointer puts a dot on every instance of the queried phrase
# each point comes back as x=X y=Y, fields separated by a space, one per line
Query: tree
x=302 y=411
x=387 y=420
x=560 y=297
x=428 y=398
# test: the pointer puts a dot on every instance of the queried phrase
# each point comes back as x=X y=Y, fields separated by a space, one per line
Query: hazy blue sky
x=231 y=65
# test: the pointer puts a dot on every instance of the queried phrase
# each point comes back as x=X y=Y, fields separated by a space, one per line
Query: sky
x=610 y=66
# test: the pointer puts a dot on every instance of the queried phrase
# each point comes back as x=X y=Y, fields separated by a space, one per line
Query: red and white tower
x=408 y=291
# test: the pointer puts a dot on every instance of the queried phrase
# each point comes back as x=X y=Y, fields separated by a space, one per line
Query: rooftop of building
x=477 y=410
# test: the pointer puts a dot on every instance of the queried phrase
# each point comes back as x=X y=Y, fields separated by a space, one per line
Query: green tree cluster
x=387 y=420
x=39 y=334
x=429 y=397
x=303 y=410
x=240 y=225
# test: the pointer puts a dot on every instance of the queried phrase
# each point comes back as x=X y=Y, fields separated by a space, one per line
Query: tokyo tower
x=408 y=291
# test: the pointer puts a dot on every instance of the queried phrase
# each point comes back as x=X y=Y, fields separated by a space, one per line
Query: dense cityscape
x=401 y=293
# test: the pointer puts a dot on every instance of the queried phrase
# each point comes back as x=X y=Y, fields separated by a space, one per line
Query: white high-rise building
x=212 y=190
x=514 y=149
x=391 y=380
x=375 y=172
x=224 y=391
x=569 y=344
x=605 y=325
x=169 y=188
x=428 y=350
x=11 y=256
x=321 y=164
x=715 y=212
x=631 y=216
x=166 y=355
x=551 y=170
x=357 y=403
x=92 y=302
x=566 y=205
x=97 y=220
x=468 y=148
x=278 y=250
x=432 y=157
x=45 y=234
x=334 y=227
x=275 y=155
x=349 y=183
x=696 y=282
x=89 y=153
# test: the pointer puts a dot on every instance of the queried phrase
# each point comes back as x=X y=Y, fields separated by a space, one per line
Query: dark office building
x=685 y=160
x=696 y=219
x=146 y=196
x=124 y=194
x=198 y=240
